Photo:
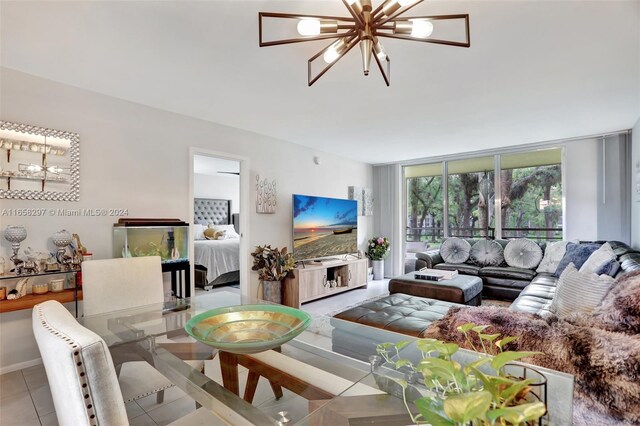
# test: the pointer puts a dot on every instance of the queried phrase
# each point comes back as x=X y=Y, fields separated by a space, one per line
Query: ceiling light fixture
x=363 y=28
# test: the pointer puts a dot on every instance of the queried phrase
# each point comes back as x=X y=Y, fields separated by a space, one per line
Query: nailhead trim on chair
x=77 y=357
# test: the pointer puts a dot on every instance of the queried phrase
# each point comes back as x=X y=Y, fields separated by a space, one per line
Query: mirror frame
x=74 y=193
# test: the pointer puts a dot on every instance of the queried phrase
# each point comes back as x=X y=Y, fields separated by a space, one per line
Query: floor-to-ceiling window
x=424 y=195
x=515 y=194
x=531 y=195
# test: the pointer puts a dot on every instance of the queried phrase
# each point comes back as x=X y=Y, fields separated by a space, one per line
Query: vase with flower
x=377 y=250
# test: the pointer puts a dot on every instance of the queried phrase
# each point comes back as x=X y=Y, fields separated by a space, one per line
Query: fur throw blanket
x=601 y=349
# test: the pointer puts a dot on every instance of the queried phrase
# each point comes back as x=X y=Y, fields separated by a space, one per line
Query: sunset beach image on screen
x=324 y=227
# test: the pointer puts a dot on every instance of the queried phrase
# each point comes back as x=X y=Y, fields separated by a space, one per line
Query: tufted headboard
x=212 y=210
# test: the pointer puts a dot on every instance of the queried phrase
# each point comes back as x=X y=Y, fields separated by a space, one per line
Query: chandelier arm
x=311 y=38
x=298 y=16
x=356 y=16
x=385 y=75
x=427 y=40
x=351 y=42
x=379 y=20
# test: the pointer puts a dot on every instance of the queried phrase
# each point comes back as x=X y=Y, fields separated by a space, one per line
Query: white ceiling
x=536 y=71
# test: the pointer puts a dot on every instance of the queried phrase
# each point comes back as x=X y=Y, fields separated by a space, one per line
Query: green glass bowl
x=247 y=329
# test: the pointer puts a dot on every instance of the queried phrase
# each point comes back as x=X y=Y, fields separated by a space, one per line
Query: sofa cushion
x=598 y=259
x=553 y=254
x=455 y=250
x=579 y=291
x=522 y=253
x=507 y=272
x=487 y=253
x=463 y=268
x=545 y=279
x=576 y=254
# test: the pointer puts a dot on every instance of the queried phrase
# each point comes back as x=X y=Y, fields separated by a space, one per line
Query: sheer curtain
x=387 y=213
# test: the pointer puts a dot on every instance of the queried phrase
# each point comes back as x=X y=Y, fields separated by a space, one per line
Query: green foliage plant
x=463 y=394
x=378 y=248
x=272 y=264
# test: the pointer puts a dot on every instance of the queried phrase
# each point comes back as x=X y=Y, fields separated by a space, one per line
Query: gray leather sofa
x=505 y=282
x=398 y=315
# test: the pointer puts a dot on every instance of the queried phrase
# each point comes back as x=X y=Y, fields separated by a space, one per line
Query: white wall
x=224 y=187
x=635 y=185
x=137 y=158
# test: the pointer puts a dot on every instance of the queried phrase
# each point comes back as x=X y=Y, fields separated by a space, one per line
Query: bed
x=217 y=262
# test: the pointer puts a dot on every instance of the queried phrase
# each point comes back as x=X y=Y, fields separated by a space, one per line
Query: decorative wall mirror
x=37 y=163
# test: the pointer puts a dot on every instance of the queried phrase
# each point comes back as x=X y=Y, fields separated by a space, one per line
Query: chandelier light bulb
x=333 y=52
x=309 y=27
x=421 y=29
x=380 y=53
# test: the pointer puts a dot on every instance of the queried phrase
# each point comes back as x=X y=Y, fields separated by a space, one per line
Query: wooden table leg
x=229 y=369
x=277 y=389
x=252 y=384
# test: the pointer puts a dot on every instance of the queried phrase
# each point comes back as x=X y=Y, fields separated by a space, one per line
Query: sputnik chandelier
x=365 y=27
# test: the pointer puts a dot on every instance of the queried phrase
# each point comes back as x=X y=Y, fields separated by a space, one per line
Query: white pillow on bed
x=230 y=231
x=198 y=232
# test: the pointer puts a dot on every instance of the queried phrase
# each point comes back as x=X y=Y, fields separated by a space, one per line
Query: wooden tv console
x=311 y=281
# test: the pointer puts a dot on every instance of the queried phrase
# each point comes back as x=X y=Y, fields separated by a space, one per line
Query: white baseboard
x=20 y=366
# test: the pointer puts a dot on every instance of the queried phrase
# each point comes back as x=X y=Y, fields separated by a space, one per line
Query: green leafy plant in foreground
x=463 y=394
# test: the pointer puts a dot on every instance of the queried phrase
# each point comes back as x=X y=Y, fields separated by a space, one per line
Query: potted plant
x=377 y=250
x=446 y=392
x=272 y=266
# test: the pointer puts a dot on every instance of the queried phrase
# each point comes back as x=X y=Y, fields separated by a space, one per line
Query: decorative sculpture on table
x=266 y=198
x=62 y=239
x=15 y=235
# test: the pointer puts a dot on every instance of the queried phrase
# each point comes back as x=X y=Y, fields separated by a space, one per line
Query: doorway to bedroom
x=216 y=205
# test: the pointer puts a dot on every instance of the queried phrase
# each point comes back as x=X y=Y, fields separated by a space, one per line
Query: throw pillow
x=610 y=268
x=553 y=254
x=620 y=308
x=230 y=231
x=212 y=234
x=522 y=253
x=198 y=232
x=598 y=258
x=455 y=250
x=579 y=291
x=487 y=253
x=576 y=254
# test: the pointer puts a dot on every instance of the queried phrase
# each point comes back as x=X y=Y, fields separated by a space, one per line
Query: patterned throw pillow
x=598 y=259
x=522 y=253
x=455 y=250
x=553 y=254
x=487 y=253
x=579 y=291
x=576 y=254
x=610 y=268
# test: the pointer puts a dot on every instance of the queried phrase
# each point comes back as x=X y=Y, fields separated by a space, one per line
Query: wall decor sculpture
x=266 y=196
x=37 y=163
x=364 y=197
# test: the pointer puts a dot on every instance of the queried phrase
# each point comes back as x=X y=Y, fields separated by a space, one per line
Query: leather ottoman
x=463 y=289
x=357 y=331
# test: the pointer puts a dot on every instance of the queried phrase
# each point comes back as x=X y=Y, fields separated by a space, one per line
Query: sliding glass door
x=508 y=195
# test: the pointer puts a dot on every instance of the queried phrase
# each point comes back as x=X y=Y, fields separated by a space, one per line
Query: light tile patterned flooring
x=25 y=398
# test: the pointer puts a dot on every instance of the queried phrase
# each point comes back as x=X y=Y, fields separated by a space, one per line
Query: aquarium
x=167 y=238
x=324 y=227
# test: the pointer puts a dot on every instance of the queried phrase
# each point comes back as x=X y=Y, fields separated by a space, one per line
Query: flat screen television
x=324 y=227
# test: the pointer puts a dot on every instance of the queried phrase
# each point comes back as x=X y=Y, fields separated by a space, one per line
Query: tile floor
x=25 y=398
